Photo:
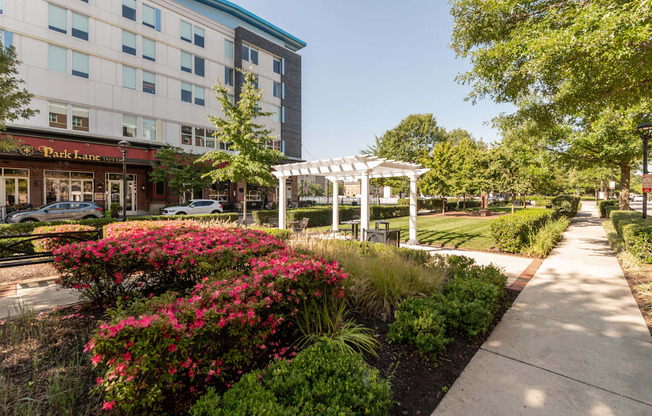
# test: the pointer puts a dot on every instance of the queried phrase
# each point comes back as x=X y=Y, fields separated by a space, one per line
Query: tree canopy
x=178 y=170
x=251 y=143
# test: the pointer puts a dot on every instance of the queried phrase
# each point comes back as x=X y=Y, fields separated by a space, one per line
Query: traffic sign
x=647 y=182
x=612 y=185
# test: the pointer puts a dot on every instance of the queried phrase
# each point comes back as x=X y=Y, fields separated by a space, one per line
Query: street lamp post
x=124 y=145
x=645 y=129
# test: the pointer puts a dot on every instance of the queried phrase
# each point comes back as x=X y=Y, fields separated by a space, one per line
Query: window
x=254 y=56
x=80 y=118
x=57 y=19
x=129 y=126
x=228 y=76
x=200 y=95
x=79 y=64
x=58 y=115
x=210 y=140
x=149 y=129
x=249 y=54
x=128 y=77
x=282 y=114
x=58 y=59
x=276 y=114
x=199 y=37
x=277 y=66
x=152 y=17
x=159 y=189
x=245 y=53
x=186 y=62
x=231 y=99
x=186 y=31
x=186 y=92
x=149 y=82
x=228 y=48
x=149 y=49
x=186 y=135
x=2 y=6
x=277 y=89
x=129 y=9
x=199 y=66
x=80 y=26
x=6 y=38
x=199 y=137
x=128 y=42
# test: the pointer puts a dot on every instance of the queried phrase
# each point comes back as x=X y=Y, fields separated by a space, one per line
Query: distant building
x=103 y=71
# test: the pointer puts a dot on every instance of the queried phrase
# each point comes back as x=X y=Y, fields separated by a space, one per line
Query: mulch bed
x=29 y=272
x=639 y=277
x=418 y=384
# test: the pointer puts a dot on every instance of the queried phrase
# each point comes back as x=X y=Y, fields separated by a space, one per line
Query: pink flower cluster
x=222 y=328
x=52 y=243
x=132 y=228
x=151 y=258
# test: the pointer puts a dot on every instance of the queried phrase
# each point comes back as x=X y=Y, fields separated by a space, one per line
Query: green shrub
x=51 y=243
x=635 y=232
x=262 y=217
x=282 y=235
x=461 y=267
x=421 y=322
x=622 y=218
x=512 y=232
x=319 y=380
x=606 y=206
x=472 y=305
x=421 y=203
x=381 y=212
x=540 y=201
x=547 y=238
x=566 y=205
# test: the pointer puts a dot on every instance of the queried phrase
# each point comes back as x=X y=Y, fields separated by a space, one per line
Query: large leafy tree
x=567 y=65
x=407 y=142
x=14 y=100
x=438 y=180
x=469 y=167
x=250 y=142
x=179 y=172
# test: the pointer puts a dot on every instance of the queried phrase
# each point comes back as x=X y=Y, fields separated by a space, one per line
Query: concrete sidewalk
x=34 y=296
x=573 y=343
x=512 y=266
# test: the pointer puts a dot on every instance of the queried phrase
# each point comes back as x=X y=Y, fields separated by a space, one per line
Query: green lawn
x=469 y=233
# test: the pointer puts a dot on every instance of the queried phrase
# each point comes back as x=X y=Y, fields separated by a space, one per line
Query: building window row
x=249 y=54
x=150 y=16
x=58 y=61
x=148 y=46
x=58 y=21
x=186 y=30
x=199 y=137
x=187 y=61
x=68 y=117
x=130 y=79
x=150 y=128
x=187 y=92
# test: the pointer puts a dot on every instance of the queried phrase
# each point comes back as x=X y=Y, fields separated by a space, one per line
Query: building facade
x=139 y=70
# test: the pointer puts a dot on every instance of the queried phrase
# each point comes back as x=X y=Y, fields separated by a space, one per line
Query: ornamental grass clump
x=153 y=261
x=176 y=347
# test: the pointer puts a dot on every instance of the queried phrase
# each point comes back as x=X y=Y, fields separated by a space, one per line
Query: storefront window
x=68 y=186
x=14 y=189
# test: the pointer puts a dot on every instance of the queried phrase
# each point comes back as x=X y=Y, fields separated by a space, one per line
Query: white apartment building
x=142 y=70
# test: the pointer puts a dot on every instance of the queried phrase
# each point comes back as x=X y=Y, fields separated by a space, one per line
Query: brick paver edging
x=527 y=274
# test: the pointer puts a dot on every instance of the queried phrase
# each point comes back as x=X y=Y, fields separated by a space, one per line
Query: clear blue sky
x=369 y=64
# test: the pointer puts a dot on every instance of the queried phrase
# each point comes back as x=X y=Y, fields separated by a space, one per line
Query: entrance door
x=14 y=194
x=114 y=189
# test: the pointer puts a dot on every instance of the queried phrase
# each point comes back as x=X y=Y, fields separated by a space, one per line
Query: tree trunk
x=625 y=169
x=463 y=202
x=244 y=205
x=443 y=205
x=513 y=198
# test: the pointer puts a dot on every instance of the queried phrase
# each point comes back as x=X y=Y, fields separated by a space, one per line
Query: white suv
x=195 y=206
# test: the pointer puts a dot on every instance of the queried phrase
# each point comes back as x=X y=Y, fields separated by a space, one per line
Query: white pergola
x=349 y=169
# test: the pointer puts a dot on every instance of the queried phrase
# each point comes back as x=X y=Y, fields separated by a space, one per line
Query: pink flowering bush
x=131 y=228
x=169 y=350
x=51 y=243
x=157 y=260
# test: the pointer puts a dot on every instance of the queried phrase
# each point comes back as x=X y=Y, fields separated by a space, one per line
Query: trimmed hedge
x=635 y=232
x=512 y=232
x=606 y=206
x=320 y=216
x=566 y=205
x=319 y=380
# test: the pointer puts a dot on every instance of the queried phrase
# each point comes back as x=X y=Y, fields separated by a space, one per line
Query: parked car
x=194 y=206
x=60 y=210
x=637 y=198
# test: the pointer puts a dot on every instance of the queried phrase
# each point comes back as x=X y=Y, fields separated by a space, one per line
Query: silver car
x=61 y=210
x=195 y=206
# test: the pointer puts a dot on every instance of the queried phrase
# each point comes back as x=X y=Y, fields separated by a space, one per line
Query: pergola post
x=413 y=211
x=282 y=203
x=364 y=205
x=336 y=206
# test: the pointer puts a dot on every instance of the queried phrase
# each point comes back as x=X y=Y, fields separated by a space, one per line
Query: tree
x=14 y=101
x=438 y=180
x=311 y=189
x=469 y=167
x=178 y=170
x=407 y=142
x=568 y=66
x=251 y=142
x=508 y=171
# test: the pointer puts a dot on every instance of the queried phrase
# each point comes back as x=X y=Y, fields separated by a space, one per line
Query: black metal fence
x=18 y=250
